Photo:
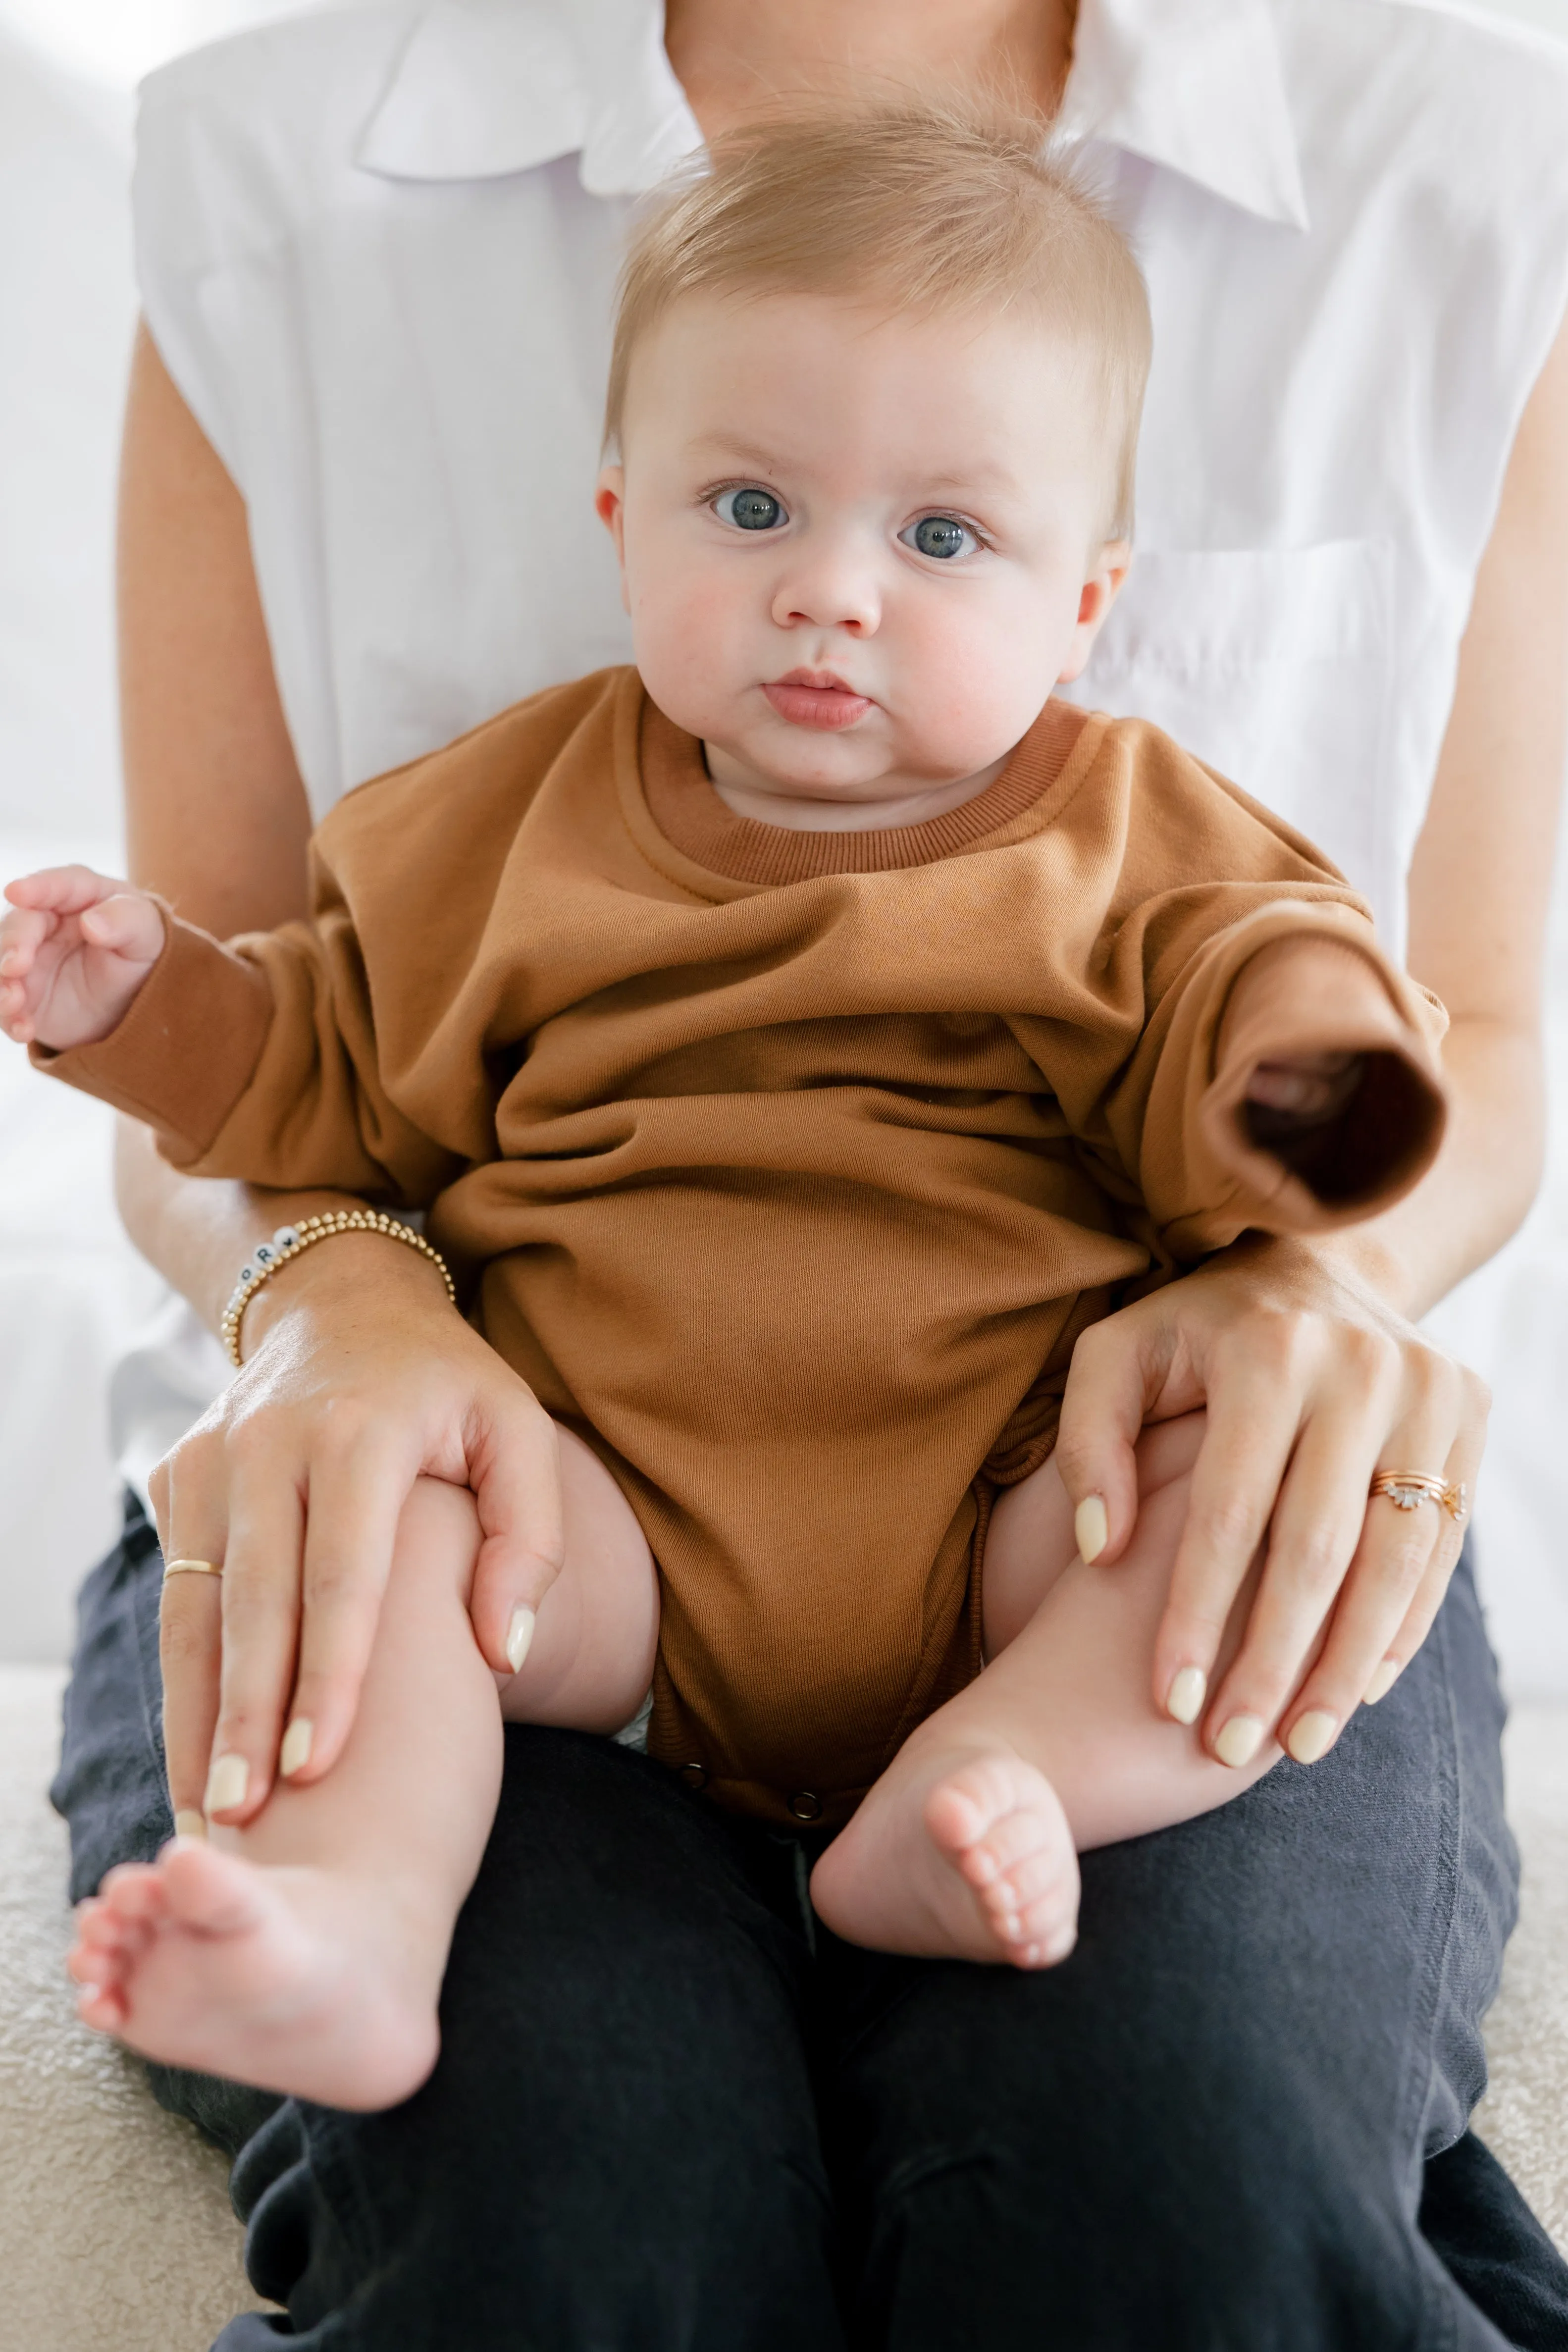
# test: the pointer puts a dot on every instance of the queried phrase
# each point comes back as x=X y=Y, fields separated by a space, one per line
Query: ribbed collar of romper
x=486 y=87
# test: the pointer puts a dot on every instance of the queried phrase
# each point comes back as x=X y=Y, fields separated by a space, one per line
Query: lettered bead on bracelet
x=288 y=1243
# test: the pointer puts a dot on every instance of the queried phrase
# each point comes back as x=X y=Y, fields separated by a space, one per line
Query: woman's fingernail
x=227 y=1784
x=1184 y=1699
x=1383 y=1682
x=519 y=1638
x=190 y=1824
x=295 y=1752
x=1091 y=1526
x=1239 y=1741
x=1311 y=1735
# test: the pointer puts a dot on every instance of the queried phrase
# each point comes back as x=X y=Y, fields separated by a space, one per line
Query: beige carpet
x=115 y=2228
x=1524 y=2117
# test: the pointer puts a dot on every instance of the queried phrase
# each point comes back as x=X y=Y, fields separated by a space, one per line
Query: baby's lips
x=827 y=707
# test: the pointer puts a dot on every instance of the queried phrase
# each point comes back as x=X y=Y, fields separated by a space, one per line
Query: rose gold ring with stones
x=1408 y=1490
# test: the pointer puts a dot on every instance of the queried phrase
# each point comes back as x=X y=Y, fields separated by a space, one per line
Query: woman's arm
x=359 y=1377
x=1481 y=885
x=1312 y=1375
x=215 y=813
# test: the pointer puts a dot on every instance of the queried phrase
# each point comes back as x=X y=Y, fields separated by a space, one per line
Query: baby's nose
x=835 y=592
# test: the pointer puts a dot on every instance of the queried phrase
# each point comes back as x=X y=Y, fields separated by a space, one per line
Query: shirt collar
x=1195 y=85
x=485 y=88
x=490 y=87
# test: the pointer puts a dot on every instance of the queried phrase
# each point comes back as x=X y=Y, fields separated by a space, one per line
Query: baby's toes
x=969 y=1804
x=134 y=1892
x=1048 y=1873
x=105 y=1924
x=1043 y=1929
x=90 y=1963
x=97 y=1922
x=101 y=1928
x=103 y=2007
x=103 y=1973
x=1013 y=1843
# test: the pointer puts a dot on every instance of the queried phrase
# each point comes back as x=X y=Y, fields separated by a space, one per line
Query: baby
x=796 y=1041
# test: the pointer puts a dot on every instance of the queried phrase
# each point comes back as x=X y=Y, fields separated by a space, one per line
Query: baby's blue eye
x=751 y=510
x=938 y=535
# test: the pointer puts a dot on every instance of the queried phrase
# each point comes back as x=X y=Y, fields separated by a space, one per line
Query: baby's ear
x=610 y=506
x=1101 y=587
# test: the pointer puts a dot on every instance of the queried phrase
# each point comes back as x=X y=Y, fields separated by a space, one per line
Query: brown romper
x=785 y=1167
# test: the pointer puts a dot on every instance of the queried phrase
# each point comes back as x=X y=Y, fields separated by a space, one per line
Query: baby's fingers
x=22 y=933
x=127 y=925
x=62 y=889
x=21 y=937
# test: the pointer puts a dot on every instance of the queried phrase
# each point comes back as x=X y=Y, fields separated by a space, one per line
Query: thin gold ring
x=190 y=1568
x=1408 y=1490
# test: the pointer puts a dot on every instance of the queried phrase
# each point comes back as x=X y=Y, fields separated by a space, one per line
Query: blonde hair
x=911 y=206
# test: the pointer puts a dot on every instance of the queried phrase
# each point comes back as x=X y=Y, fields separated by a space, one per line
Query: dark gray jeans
x=673 y=2116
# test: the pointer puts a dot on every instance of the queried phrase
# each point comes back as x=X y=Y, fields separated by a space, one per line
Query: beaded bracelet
x=288 y=1241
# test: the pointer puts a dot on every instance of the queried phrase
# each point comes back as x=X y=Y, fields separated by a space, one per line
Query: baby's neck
x=870 y=809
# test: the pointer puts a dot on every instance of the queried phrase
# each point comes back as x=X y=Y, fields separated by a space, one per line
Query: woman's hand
x=362 y=1380
x=1312 y=1384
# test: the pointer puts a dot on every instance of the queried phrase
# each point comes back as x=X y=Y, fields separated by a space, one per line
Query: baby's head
x=873 y=410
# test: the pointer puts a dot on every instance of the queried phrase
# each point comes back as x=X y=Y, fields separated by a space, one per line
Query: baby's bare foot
x=296 y=1980
x=963 y=1853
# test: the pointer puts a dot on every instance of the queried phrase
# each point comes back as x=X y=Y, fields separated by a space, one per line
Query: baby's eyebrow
x=742 y=453
x=981 y=478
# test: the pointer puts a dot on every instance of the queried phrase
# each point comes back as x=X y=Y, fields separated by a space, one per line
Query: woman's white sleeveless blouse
x=377 y=250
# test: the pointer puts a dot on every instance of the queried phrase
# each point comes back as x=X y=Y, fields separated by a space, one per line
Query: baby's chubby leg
x=967 y=1843
x=304 y=1953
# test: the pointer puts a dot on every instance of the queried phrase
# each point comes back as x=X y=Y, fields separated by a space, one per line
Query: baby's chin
x=829 y=775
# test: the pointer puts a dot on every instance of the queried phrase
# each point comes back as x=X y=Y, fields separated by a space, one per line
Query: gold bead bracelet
x=289 y=1241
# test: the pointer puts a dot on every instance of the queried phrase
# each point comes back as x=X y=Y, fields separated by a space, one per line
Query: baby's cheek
x=973 y=683
x=689 y=639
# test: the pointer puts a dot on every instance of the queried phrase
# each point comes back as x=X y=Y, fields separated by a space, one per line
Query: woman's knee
x=1130 y=2189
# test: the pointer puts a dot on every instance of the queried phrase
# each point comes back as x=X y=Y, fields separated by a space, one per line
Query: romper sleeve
x=1213 y=938
x=1288 y=981
x=366 y=1049
x=258 y=1060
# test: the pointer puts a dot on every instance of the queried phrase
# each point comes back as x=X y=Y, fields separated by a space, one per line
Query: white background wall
x=69 y=1285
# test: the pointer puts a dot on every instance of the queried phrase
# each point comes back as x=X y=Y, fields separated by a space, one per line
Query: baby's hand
x=74 y=952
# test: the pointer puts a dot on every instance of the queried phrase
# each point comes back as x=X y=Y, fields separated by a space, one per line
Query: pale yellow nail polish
x=1239 y=1741
x=519 y=1638
x=227 y=1784
x=1184 y=1699
x=295 y=1752
x=1091 y=1526
x=1383 y=1682
x=190 y=1824
x=1311 y=1735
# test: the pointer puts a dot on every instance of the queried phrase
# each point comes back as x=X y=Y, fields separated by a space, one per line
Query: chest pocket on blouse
x=1275 y=665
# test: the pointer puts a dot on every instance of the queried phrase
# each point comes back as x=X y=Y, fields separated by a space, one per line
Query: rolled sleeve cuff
x=1329 y=990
